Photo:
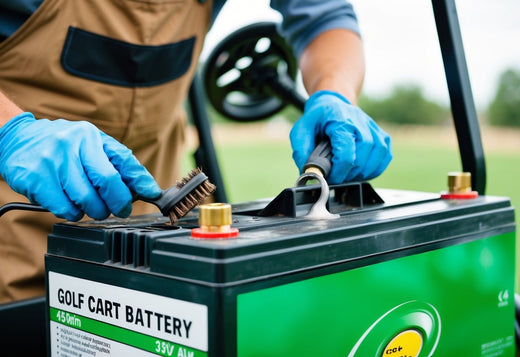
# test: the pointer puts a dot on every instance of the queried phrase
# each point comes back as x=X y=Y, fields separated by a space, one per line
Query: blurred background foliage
x=406 y=104
x=504 y=109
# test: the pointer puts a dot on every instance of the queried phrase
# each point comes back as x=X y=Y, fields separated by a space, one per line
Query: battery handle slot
x=296 y=201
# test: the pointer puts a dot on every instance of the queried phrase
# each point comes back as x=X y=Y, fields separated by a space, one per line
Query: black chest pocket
x=103 y=59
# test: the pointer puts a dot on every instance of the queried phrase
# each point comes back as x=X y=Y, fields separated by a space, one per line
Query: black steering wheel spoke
x=242 y=70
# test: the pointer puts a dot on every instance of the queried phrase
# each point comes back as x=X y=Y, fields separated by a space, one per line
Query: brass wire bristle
x=193 y=198
x=190 y=201
x=191 y=190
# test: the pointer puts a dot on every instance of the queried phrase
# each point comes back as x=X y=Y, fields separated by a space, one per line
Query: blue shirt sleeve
x=303 y=20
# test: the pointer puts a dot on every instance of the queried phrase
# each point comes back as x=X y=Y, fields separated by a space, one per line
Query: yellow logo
x=406 y=344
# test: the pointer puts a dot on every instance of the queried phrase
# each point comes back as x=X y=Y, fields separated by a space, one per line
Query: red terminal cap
x=201 y=234
x=459 y=196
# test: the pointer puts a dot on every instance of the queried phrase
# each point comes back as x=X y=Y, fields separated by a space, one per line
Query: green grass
x=419 y=168
x=256 y=170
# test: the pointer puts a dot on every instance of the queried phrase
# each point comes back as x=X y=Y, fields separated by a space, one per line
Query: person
x=91 y=108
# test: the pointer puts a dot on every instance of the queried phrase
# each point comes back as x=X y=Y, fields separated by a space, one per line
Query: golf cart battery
x=399 y=273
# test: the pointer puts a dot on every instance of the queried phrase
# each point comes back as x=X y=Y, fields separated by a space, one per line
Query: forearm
x=8 y=109
x=334 y=61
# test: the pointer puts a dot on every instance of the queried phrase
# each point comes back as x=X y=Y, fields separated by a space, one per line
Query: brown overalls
x=125 y=66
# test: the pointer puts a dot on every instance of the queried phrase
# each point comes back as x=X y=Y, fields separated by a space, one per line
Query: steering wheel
x=250 y=75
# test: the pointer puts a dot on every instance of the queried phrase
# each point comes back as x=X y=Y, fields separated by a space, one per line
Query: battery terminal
x=215 y=222
x=459 y=186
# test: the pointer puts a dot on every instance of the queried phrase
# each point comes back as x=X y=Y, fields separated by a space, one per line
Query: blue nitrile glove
x=361 y=150
x=71 y=168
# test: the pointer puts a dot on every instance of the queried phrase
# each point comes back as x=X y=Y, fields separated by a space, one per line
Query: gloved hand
x=71 y=168
x=361 y=150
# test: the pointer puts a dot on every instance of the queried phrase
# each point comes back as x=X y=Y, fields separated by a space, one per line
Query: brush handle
x=320 y=158
x=21 y=206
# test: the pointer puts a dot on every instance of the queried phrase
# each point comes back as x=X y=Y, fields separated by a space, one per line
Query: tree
x=406 y=104
x=504 y=110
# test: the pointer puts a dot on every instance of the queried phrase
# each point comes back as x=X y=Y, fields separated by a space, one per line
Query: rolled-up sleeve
x=303 y=20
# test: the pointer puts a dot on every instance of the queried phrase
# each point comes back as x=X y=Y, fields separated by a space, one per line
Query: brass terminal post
x=459 y=187
x=215 y=222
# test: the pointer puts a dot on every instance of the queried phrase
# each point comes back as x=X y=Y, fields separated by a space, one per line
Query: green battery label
x=453 y=301
x=92 y=318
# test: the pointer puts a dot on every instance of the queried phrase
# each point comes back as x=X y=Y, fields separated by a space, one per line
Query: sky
x=401 y=44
